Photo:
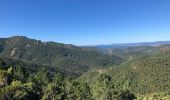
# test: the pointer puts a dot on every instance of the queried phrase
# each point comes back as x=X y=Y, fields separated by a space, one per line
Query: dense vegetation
x=133 y=52
x=57 y=55
x=145 y=76
x=21 y=82
x=148 y=75
x=34 y=70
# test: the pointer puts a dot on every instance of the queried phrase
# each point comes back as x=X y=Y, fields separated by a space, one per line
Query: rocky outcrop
x=13 y=52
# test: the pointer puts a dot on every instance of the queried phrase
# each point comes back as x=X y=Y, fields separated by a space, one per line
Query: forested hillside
x=145 y=77
x=53 y=54
x=31 y=69
x=20 y=81
x=134 y=52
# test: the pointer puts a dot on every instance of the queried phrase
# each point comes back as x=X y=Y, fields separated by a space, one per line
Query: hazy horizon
x=123 y=43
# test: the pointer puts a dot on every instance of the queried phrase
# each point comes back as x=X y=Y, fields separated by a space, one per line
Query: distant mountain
x=133 y=50
x=126 y=45
x=65 y=56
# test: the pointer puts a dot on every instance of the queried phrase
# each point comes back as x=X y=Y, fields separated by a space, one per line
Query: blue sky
x=86 y=22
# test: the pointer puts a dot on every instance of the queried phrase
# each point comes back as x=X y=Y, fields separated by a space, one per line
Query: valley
x=31 y=69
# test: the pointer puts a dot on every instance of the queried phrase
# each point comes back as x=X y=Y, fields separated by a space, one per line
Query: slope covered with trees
x=18 y=82
x=134 y=52
x=52 y=54
x=146 y=77
x=31 y=69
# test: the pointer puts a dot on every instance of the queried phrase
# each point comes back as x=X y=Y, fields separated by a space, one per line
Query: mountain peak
x=18 y=37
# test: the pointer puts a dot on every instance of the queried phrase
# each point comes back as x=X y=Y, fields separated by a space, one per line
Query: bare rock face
x=13 y=52
x=165 y=49
x=101 y=71
x=28 y=45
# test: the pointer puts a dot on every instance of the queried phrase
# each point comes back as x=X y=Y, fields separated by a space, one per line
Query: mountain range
x=126 y=45
x=57 y=55
x=32 y=69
